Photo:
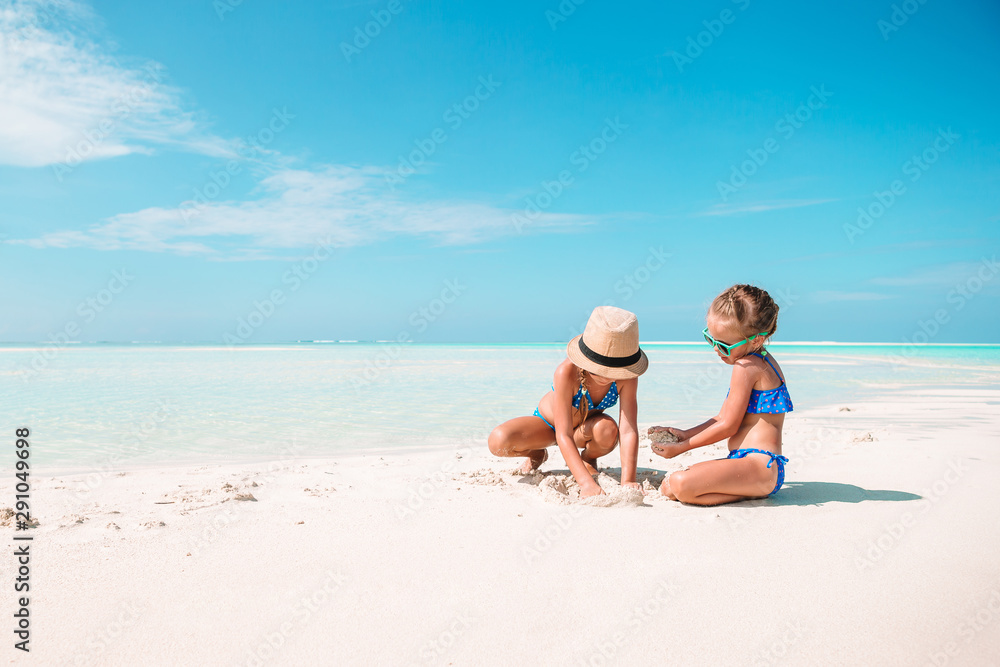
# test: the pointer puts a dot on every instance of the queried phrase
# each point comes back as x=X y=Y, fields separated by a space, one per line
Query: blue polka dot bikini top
x=608 y=401
x=770 y=401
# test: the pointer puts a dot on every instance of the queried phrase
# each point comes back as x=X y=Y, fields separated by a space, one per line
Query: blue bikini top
x=608 y=401
x=770 y=401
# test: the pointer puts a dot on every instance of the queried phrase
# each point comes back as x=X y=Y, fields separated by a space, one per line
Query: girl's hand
x=678 y=433
x=669 y=450
x=593 y=489
x=634 y=485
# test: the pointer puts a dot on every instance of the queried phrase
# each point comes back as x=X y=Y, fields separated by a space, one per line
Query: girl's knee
x=497 y=441
x=606 y=432
x=679 y=487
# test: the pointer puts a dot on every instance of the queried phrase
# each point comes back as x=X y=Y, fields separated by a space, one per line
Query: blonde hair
x=750 y=308
x=584 y=408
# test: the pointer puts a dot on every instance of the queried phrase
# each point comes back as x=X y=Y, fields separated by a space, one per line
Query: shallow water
x=133 y=405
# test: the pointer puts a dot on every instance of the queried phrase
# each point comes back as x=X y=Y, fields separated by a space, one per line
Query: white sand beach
x=881 y=549
x=272 y=273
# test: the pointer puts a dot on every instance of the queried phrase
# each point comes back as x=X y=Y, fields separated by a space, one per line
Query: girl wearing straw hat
x=603 y=366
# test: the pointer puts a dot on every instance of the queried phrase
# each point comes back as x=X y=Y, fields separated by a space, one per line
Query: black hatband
x=611 y=362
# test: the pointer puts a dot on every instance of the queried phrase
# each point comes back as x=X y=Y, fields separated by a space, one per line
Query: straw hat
x=609 y=346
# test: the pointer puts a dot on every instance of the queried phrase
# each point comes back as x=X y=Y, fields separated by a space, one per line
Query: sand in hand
x=660 y=436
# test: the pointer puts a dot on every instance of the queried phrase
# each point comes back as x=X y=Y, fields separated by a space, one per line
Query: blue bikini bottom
x=740 y=453
x=539 y=415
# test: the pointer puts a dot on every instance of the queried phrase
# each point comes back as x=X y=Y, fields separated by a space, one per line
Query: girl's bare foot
x=534 y=461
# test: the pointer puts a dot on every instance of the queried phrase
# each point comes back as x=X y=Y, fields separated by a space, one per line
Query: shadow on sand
x=817 y=493
x=792 y=493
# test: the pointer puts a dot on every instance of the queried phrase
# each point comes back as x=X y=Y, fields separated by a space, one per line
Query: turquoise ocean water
x=122 y=406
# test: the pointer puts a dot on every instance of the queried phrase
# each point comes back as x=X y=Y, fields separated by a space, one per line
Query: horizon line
x=386 y=342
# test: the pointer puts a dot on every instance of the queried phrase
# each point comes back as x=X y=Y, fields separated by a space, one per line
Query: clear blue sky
x=158 y=99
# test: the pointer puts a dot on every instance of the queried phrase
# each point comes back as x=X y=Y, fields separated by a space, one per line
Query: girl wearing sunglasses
x=740 y=321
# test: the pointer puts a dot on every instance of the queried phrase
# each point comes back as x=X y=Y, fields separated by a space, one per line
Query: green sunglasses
x=728 y=349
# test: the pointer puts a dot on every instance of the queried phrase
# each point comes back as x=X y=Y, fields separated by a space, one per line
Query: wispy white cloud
x=761 y=206
x=64 y=98
x=344 y=206
x=941 y=275
x=828 y=296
